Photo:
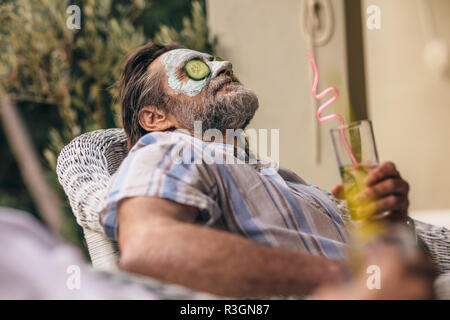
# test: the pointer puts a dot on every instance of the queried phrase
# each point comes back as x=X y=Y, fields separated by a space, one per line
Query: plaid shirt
x=278 y=210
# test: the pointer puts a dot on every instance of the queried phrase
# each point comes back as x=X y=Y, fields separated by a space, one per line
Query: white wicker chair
x=86 y=164
x=84 y=168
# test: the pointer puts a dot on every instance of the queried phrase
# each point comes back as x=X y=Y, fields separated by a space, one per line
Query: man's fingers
x=384 y=171
x=392 y=207
x=382 y=189
x=391 y=203
x=338 y=192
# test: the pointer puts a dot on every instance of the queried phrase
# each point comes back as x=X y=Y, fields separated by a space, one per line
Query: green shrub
x=65 y=78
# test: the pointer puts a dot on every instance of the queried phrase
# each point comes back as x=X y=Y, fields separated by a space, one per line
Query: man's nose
x=222 y=67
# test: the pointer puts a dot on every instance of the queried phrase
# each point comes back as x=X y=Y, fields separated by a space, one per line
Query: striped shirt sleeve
x=154 y=168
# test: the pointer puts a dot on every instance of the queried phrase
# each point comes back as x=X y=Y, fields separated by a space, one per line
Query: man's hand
x=399 y=278
x=386 y=188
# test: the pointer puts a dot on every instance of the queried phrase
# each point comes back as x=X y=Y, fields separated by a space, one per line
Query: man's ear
x=152 y=118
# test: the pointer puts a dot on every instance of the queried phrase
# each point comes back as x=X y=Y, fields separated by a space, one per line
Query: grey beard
x=231 y=110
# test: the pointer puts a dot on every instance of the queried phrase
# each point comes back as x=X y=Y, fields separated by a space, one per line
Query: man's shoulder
x=162 y=149
x=289 y=175
x=163 y=138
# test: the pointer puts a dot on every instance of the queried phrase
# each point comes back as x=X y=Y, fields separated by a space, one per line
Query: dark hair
x=138 y=89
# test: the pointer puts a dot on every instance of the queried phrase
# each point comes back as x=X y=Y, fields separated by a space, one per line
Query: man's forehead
x=179 y=55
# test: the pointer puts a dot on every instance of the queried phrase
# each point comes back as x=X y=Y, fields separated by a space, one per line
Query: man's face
x=178 y=78
x=204 y=89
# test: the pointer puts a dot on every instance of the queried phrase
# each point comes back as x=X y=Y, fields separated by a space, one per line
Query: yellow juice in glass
x=364 y=230
x=353 y=182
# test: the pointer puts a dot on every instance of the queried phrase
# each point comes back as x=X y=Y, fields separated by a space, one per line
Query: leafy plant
x=66 y=77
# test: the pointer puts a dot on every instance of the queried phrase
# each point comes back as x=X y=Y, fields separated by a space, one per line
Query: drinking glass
x=359 y=138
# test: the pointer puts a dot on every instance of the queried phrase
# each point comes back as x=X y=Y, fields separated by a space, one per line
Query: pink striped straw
x=326 y=105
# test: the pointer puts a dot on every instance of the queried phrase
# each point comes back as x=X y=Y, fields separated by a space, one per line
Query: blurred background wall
x=409 y=104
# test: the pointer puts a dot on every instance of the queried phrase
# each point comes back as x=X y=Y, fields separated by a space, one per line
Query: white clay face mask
x=199 y=68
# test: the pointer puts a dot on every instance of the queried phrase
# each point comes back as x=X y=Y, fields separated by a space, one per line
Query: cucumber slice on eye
x=197 y=69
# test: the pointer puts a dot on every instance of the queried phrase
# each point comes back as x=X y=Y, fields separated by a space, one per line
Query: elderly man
x=226 y=228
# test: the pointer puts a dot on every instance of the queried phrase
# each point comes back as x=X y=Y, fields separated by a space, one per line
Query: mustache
x=221 y=81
